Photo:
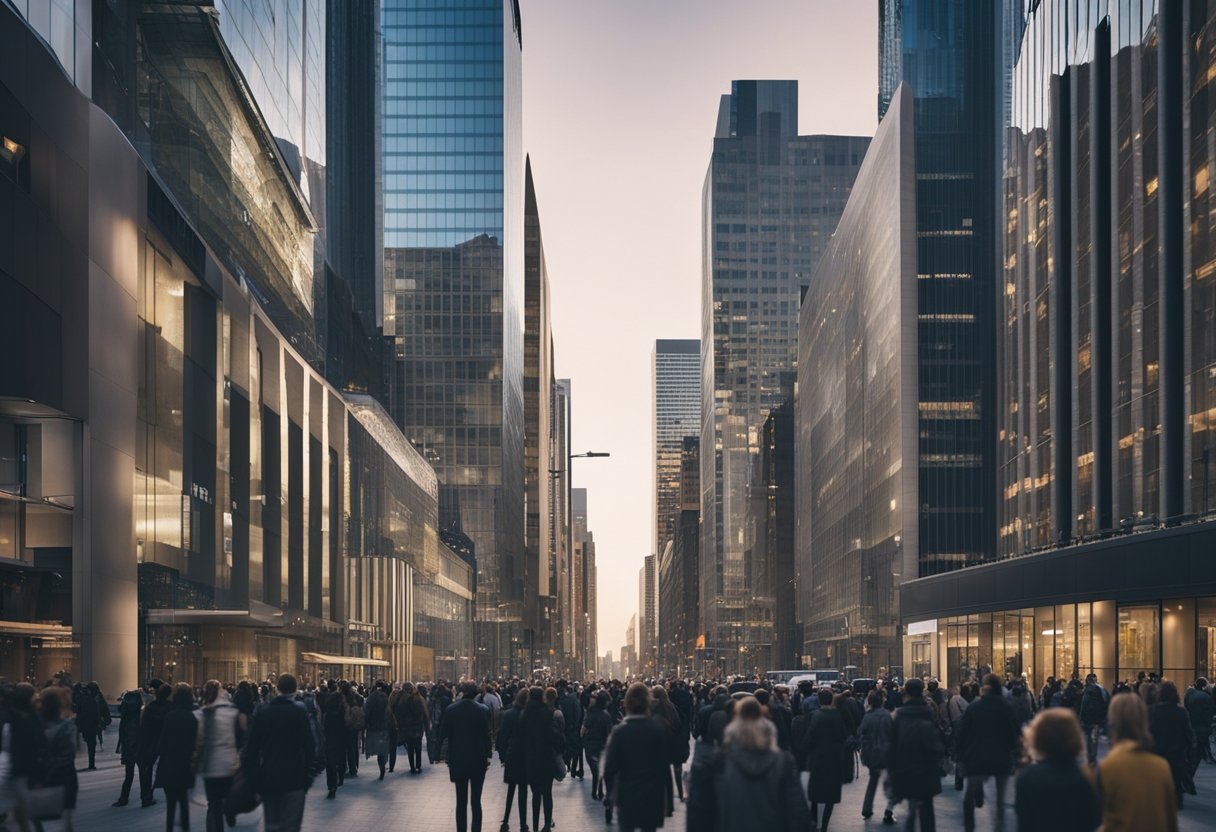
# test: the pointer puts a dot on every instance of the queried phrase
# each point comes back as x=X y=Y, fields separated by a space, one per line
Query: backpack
x=1093 y=706
x=355 y=719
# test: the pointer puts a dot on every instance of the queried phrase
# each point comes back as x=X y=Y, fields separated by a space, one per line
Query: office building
x=559 y=515
x=770 y=203
x=648 y=614
x=1106 y=362
x=454 y=297
x=677 y=414
x=858 y=504
x=774 y=568
x=678 y=620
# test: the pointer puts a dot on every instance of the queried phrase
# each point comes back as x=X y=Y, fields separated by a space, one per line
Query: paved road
x=425 y=803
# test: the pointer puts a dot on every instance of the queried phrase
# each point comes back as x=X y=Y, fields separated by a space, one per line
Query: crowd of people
x=766 y=756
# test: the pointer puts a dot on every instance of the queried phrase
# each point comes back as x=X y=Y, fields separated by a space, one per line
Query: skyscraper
x=454 y=282
x=677 y=414
x=648 y=619
x=770 y=204
x=949 y=52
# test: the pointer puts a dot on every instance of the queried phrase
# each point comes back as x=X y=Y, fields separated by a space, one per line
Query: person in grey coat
x=876 y=728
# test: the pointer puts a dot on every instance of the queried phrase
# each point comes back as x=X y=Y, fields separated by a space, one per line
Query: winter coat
x=333 y=715
x=1136 y=791
x=1056 y=797
x=1202 y=708
x=825 y=751
x=572 y=713
x=129 y=712
x=987 y=736
x=92 y=714
x=915 y=752
x=537 y=740
x=411 y=715
x=876 y=729
x=1173 y=737
x=466 y=727
x=175 y=770
x=219 y=752
x=597 y=725
x=510 y=753
x=1093 y=705
x=635 y=768
x=1023 y=707
x=150 y=725
x=733 y=789
x=281 y=750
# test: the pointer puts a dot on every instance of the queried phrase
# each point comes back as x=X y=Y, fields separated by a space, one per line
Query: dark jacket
x=333 y=716
x=27 y=744
x=279 y=753
x=569 y=705
x=916 y=751
x=876 y=729
x=411 y=715
x=783 y=718
x=596 y=727
x=510 y=754
x=176 y=767
x=1056 y=797
x=1202 y=708
x=150 y=725
x=1173 y=737
x=466 y=727
x=537 y=740
x=92 y=714
x=742 y=788
x=988 y=735
x=635 y=766
x=825 y=749
x=129 y=712
x=375 y=711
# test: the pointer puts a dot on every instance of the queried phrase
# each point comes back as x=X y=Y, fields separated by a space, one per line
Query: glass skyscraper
x=454 y=281
x=770 y=203
x=677 y=415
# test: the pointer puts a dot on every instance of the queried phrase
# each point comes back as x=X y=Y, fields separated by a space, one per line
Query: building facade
x=858 y=415
x=678 y=619
x=454 y=283
x=677 y=414
x=773 y=520
x=770 y=203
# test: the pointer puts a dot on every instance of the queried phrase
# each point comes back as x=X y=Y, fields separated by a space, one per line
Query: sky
x=620 y=101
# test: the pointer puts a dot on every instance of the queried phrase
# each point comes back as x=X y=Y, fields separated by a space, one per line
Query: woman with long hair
x=539 y=741
x=1137 y=789
x=410 y=712
x=1053 y=793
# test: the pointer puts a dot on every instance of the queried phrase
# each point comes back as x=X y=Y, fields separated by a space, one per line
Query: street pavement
x=426 y=803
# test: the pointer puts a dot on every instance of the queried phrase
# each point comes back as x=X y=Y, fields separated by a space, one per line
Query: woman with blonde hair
x=1136 y=788
x=1053 y=793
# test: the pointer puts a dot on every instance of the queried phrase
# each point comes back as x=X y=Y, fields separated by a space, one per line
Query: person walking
x=377 y=717
x=59 y=747
x=411 y=715
x=1173 y=737
x=175 y=768
x=749 y=783
x=824 y=743
x=635 y=763
x=1094 y=701
x=151 y=723
x=597 y=725
x=466 y=728
x=572 y=716
x=1053 y=794
x=987 y=739
x=92 y=717
x=539 y=744
x=915 y=757
x=356 y=722
x=25 y=742
x=1201 y=708
x=511 y=755
x=278 y=758
x=333 y=720
x=875 y=731
x=1136 y=786
x=130 y=708
x=221 y=731
x=665 y=714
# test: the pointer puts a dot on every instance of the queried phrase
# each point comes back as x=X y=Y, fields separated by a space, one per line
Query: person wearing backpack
x=1094 y=702
x=915 y=755
x=986 y=740
x=876 y=728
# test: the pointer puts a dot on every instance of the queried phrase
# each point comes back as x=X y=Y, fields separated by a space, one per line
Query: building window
x=14 y=162
x=1138 y=640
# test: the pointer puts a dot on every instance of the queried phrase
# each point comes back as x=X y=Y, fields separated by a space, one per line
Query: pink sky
x=620 y=100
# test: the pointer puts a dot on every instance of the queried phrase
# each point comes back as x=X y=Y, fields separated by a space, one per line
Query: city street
x=425 y=803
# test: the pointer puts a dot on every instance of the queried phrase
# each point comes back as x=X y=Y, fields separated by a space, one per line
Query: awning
x=329 y=658
x=35 y=629
x=258 y=615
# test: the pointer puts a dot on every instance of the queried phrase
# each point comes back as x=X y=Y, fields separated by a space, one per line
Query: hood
x=754 y=763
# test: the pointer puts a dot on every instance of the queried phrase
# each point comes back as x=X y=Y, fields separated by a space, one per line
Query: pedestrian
x=466 y=728
x=411 y=715
x=538 y=742
x=92 y=717
x=665 y=714
x=572 y=716
x=1173 y=738
x=1201 y=708
x=916 y=756
x=278 y=758
x=222 y=729
x=635 y=762
x=749 y=783
x=876 y=728
x=151 y=723
x=1136 y=787
x=825 y=750
x=356 y=722
x=597 y=725
x=953 y=708
x=1094 y=701
x=511 y=756
x=987 y=738
x=59 y=731
x=130 y=708
x=25 y=741
x=1022 y=702
x=175 y=767
x=377 y=719
x=1053 y=793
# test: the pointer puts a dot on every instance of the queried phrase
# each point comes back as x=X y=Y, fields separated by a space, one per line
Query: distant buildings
x=677 y=414
x=648 y=615
x=770 y=203
x=678 y=621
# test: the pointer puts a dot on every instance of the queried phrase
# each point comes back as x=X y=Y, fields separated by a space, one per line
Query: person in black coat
x=333 y=719
x=1173 y=737
x=129 y=711
x=278 y=757
x=175 y=770
x=915 y=755
x=511 y=755
x=597 y=725
x=987 y=739
x=466 y=728
x=92 y=716
x=147 y=741
x=539 y=743
x=572 y=714
x=1053 y=794
x=635 y=764
x=825 y=738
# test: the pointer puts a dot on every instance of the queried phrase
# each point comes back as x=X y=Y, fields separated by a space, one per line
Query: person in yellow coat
x=1136 y=786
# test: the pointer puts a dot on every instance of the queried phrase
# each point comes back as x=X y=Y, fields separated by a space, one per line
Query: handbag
x=848 y=764
x=241 y=799
x=47 y=802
